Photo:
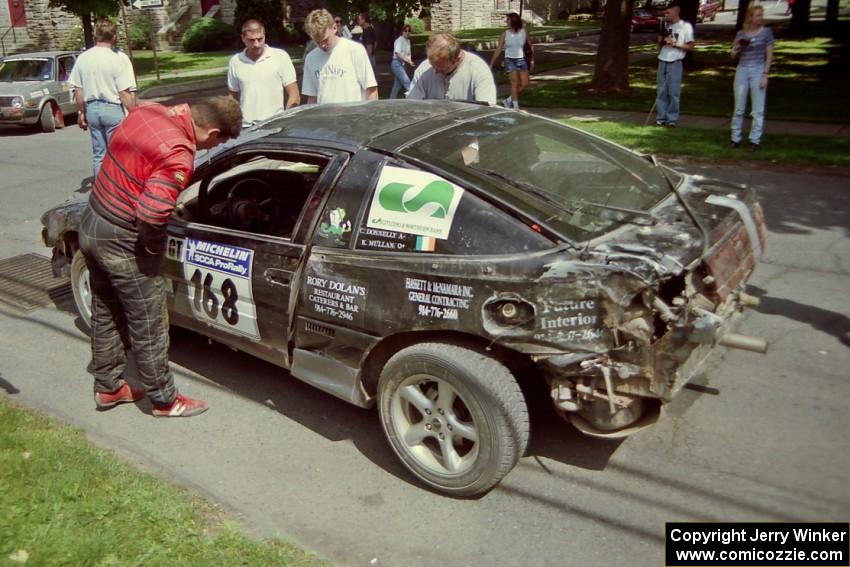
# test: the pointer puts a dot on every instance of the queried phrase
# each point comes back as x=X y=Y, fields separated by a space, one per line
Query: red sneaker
x=182 y=406
x=122 y=395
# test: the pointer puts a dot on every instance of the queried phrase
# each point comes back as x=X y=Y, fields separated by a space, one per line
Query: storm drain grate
x=27 y=282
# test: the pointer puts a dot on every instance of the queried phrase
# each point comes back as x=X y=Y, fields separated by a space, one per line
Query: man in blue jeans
x=104 y=86
x=676 y=39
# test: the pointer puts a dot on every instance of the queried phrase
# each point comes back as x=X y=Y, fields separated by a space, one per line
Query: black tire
x=45 y=119
x=477 y=428
x=81 y=287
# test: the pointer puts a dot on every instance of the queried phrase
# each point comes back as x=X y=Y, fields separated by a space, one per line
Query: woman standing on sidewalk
x=753 y=47
x=513 y=41
x=401 y=55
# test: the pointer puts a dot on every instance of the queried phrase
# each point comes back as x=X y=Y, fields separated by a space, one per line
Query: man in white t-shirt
x=104 y=85
x=449 y=72
x=676 y=39
x=261 y=78
x=339 y=70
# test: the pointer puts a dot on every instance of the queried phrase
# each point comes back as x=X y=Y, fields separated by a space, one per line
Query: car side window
x=416 y=211
x=261 y=194
x=65 y=66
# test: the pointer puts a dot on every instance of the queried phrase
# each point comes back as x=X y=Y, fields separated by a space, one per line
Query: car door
x=235 y=283
x=64 y=93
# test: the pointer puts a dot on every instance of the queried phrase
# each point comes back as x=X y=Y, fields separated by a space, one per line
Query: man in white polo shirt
x=261 y=78
x=104 y=86
x=339 y=70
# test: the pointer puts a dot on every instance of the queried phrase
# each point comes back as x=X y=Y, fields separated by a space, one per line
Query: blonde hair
x=442 y=45
x=318 y=22
x=751 y=9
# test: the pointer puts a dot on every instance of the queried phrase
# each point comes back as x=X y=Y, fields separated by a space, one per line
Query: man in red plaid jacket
x=122 y=236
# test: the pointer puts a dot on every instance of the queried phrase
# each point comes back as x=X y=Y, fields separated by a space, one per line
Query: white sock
x=515 y=105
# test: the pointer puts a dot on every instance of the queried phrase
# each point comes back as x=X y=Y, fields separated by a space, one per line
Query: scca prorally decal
x=220 y=290
x=414 y=202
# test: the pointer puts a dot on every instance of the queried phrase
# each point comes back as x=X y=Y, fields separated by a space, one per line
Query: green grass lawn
x=810 y=81
x=65 y=502
x=713 y=144
x=179 y=61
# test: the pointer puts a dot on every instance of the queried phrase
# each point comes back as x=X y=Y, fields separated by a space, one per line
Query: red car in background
x=644 y=20
x=708 y=10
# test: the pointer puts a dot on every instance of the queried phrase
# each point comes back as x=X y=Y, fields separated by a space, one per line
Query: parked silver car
x=34 y=89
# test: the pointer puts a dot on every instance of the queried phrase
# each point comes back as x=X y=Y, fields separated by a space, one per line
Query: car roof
x=38 y=54
x=367 y=124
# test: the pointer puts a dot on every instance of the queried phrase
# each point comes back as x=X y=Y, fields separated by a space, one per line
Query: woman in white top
x=401 y=55
x=517 y=66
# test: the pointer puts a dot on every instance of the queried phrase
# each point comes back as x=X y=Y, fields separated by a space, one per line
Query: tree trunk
x=688 y=11
x=742 y=13
x=612 y=57
x=88 y=31
x=832 y=14
x=800 y=17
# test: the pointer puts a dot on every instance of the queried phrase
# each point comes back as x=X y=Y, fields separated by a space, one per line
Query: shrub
x=416 y=24
x=74 y=40
x=208 y=34
x=140 y=35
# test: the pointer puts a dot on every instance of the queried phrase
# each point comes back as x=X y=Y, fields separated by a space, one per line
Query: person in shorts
x=517 y=67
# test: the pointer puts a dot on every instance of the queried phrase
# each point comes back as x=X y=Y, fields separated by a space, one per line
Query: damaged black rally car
x=428 y=257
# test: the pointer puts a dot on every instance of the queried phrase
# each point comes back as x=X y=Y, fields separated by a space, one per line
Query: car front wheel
x=45 y=119
x=456 y=418
x=81 y=286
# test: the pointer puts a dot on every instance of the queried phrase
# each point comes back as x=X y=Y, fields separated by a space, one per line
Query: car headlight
x=17 y=102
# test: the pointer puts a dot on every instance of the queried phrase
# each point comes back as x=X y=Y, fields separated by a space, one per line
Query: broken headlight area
x=657 y=339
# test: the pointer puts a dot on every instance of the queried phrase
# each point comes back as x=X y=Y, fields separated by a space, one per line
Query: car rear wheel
x=81 y=285
x=456 y=418
x=45 y=119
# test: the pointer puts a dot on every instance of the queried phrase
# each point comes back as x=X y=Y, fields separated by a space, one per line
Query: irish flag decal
x=426 y=243
x=414 y=202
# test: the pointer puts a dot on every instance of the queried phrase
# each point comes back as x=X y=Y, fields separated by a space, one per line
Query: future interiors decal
x=414 y=202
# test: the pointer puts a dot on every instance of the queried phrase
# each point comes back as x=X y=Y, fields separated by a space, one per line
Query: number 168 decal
x=220 y=290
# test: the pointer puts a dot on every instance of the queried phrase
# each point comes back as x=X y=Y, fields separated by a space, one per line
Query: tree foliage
x=85 y=9
x=269 y=12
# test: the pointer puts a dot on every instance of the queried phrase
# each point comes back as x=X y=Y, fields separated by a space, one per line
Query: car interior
x=264 y=195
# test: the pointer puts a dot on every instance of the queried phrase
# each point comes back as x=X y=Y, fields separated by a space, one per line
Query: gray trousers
x=128 y=309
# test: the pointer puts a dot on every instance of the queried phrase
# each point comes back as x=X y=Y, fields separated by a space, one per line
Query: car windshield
x=26 y=70
x=585 y=186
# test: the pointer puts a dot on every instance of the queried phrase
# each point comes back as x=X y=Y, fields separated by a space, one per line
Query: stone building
x=29 y=25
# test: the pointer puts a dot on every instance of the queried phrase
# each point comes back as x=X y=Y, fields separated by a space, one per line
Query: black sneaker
x=734 y=145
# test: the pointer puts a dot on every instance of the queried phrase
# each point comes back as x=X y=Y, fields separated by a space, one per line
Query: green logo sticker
x=335 y=224
x=438 y=192
x=414 y=202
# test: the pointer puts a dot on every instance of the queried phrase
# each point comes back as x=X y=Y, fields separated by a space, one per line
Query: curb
x=185 y=87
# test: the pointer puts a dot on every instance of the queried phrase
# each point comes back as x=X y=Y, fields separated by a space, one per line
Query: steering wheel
x=251 y=206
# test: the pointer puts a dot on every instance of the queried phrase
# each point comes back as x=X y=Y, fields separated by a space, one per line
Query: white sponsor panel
x=414 y=202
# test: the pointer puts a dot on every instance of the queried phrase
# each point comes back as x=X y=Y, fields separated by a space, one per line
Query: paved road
x=767 y=441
